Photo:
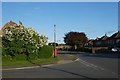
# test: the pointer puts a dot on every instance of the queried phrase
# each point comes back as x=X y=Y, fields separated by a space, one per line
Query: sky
x=93 y=18
x=60 y=0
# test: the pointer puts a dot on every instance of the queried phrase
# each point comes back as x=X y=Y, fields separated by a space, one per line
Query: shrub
x=32 y=57
x=21 y=40
x=20 y=57
x=82 y=49
x=87 y=49
x=45 y=52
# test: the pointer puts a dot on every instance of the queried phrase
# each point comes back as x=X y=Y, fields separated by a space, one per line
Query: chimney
x=10 y=21
x=105 y=34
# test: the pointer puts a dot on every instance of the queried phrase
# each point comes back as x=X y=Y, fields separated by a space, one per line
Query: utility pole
x=55 y=50
x=54 y=36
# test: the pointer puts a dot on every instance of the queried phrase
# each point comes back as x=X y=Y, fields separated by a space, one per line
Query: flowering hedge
x=21 y=40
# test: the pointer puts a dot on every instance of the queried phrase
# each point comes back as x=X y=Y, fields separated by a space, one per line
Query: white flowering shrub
x=21 y=40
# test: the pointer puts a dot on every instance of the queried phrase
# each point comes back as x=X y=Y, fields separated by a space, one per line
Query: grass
x=13 y=62
x=44 y=57
x=72 y=56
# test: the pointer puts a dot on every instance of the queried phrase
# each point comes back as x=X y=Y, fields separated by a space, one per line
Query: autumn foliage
x=75 y=38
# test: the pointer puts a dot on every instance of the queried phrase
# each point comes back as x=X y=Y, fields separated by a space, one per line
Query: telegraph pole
x=54 y=36
x=55 y=50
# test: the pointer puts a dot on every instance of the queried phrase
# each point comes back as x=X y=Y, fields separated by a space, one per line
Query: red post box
x=55 y=52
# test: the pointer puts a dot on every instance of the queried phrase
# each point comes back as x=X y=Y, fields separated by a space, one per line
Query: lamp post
x=55 y=50
x=54 y=36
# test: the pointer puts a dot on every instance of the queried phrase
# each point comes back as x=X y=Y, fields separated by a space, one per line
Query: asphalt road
x=87 y=66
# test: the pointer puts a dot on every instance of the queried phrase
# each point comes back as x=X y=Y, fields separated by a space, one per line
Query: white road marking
x=93 y=66
x=88 y=64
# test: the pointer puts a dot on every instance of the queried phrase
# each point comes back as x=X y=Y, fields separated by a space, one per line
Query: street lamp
x=55 y=50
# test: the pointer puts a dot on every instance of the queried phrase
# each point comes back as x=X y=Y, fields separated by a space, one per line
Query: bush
x=21 y=40
x=87 y=49
x=32 y=57
x=46 y=52
x=20 y=57
x=82 y=49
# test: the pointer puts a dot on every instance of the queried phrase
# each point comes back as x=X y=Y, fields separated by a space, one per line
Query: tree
x=21 y=40
x=75 y=39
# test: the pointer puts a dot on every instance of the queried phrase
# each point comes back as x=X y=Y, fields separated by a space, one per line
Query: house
x=8 y=24
x=106 y=41
x=101 y=42
x=114 y=40
x=11 y=23
x=89 y=43
x=1 y=32
x=60 y=46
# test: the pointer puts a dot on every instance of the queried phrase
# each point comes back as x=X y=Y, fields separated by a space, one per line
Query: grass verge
x=28 y=63
x=72 y=56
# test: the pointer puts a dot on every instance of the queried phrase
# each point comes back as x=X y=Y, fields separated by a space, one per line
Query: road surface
x=88 y=66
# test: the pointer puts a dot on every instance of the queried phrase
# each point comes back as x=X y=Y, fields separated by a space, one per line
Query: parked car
x=115 y=49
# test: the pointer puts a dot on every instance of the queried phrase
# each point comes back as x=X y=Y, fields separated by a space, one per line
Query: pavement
x=63 y=59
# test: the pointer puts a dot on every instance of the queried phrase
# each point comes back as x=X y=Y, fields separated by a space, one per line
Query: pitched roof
x=90 y=41
x=97 y=39
x=0 y=32
x=11 y=23
x=104 y=37
x=115 y=35
x=118 y=35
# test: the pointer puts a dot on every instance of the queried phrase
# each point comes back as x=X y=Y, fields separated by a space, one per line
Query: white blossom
x=28 y=35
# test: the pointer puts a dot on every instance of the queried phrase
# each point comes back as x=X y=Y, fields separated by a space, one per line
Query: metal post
x=54 y=36
x=54 y=41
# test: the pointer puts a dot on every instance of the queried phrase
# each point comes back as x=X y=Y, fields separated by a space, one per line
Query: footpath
x=63 y=59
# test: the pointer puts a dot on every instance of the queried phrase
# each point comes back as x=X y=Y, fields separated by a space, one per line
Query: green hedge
x=82 y=49
x=45 y=52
